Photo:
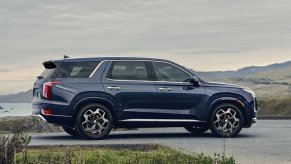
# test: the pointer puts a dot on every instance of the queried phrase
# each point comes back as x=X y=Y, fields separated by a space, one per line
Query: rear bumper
x=39 y=117
x=60 y=116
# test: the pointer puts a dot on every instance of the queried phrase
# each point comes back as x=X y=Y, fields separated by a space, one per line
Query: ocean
x=15 y=109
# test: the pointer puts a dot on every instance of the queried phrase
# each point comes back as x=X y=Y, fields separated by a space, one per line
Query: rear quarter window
x=76 y=69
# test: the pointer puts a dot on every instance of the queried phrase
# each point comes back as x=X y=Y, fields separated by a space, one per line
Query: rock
x=1 y=107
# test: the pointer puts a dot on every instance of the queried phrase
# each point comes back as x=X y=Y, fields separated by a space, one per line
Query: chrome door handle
x=164 y=89
x=113 y=88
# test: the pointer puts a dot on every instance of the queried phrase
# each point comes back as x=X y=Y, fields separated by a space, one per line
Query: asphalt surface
x=268 y=141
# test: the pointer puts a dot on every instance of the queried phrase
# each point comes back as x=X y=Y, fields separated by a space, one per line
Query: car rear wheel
x=71 y=131
x=94 y=121
x=197 y=129
x=226 y=120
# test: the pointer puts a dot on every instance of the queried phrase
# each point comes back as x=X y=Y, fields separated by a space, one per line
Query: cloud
x=32 y=28
x=5 y=70
x=33 y=31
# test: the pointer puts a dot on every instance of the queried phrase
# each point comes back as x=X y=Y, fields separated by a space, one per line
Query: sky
x=204 y=35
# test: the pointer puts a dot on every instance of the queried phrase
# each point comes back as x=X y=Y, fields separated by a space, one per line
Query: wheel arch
x=99 y=100
x=234 y=100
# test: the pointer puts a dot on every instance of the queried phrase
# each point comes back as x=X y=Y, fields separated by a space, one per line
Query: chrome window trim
x=151 y=80
x=96 y=69
x=175 y=66
x=148 y=81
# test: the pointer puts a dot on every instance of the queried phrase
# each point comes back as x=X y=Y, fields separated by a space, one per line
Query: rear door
x=130 y=84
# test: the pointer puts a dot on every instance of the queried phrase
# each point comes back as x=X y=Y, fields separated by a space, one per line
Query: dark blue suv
x=90 y=96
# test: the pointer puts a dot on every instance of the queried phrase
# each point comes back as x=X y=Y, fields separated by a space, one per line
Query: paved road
x=268 y=141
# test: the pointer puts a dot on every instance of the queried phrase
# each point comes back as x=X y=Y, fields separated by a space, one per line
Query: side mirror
x=195 y=81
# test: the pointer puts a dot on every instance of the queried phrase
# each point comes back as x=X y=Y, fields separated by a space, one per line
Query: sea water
x=15 y=109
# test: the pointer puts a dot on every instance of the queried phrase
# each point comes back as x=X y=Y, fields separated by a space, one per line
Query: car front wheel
x=94 y=121
x=226 y=120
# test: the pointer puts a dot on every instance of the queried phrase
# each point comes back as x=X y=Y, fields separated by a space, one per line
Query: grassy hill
x=21 y=97
x=280 y=71
x=274 y=76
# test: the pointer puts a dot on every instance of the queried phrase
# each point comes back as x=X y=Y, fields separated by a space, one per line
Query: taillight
x=46 y=90
x=47 y=111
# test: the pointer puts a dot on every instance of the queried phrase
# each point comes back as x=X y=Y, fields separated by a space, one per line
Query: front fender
x=226 y=99
x=220 y=98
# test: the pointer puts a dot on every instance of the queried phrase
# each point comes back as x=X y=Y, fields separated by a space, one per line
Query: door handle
x=113 y=88
x=165 y=89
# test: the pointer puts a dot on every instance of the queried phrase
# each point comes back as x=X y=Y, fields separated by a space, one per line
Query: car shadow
x=168 y=135
x=146 y=136
x=157 y=135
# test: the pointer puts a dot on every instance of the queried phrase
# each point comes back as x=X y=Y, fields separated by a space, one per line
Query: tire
x=71 y=131
x=94 y=121
x=226 y=120
x=197 y=129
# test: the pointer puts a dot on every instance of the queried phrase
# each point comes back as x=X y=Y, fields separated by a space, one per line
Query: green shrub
x=158 y=155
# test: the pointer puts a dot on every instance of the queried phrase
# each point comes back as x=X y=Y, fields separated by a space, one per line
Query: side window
x=128 y=70
x=169 y=72
x=76 y=69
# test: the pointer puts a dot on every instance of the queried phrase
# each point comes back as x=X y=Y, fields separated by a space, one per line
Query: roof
x=117 y=58
x=111 y=58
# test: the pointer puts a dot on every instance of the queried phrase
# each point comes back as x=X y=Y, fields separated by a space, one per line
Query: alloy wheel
x=226 y=120
x=94 y=121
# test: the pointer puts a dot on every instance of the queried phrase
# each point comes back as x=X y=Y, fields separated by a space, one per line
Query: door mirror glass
x=194 y=80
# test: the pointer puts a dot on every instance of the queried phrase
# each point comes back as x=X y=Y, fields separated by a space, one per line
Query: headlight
x=250 y=91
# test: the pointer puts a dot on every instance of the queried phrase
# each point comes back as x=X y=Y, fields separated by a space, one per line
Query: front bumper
x=254 y=120
x=251 y=114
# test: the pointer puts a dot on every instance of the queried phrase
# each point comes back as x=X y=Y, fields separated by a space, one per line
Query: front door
x=178 y=100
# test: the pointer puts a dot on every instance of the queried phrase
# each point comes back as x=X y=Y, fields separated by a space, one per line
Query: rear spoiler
x=49 y=65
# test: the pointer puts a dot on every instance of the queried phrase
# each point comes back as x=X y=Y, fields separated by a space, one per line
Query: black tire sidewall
x=80 y=129
x=211 y=120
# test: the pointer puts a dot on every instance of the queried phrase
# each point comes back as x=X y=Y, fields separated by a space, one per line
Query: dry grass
x=25 y=124
x=121 y=154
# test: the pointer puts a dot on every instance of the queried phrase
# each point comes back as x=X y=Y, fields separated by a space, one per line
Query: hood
x=215 y=84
